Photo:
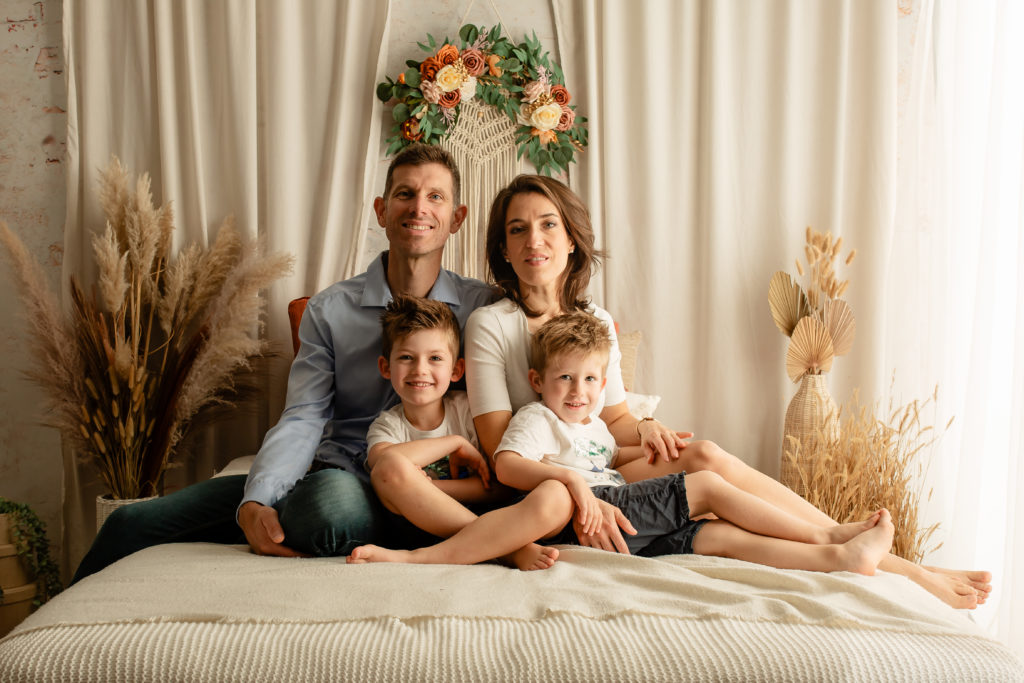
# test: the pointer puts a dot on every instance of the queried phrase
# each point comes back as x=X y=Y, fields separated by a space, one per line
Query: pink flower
x=474 y=61
x=568 y=118
x=533 y=90
x=431 y=91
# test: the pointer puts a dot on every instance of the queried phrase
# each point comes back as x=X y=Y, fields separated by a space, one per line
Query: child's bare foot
x=863 y=552
x=374 y=553
x=841 y=533
x=534 y=556
x=980 y=581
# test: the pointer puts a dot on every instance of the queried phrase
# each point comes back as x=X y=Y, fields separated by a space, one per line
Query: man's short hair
x=406 y=314
x=577 y=332
x=418 y=154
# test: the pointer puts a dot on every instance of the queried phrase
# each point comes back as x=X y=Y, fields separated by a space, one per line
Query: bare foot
x=374 y=553
x=841 y=533
x=534 y=556
x=863 y=552
x=980 y=581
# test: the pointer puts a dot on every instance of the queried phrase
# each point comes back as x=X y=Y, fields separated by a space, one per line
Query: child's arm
x=512 y=469
x=422 y=452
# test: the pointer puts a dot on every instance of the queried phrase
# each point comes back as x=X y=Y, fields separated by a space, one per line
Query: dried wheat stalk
x=873 y=463
x=161 y=339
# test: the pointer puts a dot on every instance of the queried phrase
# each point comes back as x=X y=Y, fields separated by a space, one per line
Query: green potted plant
x=26 y=569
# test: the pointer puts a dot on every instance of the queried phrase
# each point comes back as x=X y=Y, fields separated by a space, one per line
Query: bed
x=219 y=613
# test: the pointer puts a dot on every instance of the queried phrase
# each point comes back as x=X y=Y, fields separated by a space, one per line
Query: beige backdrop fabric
x=243 y=107
x=719 y=130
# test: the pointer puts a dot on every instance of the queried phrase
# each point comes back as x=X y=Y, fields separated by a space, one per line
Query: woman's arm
x=490 y=427
x=653 y=437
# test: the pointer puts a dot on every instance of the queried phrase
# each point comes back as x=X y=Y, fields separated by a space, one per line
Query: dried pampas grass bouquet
x=871 y=463
x=161 y=339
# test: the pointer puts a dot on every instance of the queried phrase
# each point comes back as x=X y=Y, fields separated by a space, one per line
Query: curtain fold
x=719 y=130
x=264 y=110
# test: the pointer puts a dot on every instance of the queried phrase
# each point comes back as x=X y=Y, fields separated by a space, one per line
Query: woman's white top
x=498 y=360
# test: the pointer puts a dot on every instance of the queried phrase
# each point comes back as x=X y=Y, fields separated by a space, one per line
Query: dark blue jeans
x=327 y=513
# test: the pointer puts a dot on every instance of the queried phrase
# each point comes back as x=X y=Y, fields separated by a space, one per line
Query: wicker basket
x=105 y=505
x=811 y=410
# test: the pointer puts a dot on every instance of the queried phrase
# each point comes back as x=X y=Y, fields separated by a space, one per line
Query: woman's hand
x=466 y=455
x=609 y=535
x=657 y=440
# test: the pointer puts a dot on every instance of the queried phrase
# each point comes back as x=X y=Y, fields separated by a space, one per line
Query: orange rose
x=545 y=136
x=429 y=68
x=447 y=54
x=450 y=99
x=411 y=130
x=474 y=61
x=560 y=94
x=492 y=65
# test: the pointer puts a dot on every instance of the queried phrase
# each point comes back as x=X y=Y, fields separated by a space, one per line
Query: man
x=334 y=393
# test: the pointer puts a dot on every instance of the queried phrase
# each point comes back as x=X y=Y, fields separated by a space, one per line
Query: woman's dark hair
x=576 y=219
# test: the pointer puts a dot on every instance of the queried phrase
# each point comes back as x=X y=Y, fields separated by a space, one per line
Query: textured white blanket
x=218 y=612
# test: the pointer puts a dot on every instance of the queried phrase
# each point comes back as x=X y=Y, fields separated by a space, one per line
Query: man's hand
x=609 y=534
x=657 y=440
x=263 y=530
x=469 y=457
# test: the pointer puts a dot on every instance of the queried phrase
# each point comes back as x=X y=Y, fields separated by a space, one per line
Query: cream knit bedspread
x=208 y=612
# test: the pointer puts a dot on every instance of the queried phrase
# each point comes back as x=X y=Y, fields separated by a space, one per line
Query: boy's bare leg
x=708 y=492
x=404 y=489
x=961 y=589
x=860 y=554
x=507 y=532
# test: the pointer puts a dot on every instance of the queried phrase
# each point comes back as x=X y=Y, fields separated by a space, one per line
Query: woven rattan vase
x=105 y=505
x=812 y=410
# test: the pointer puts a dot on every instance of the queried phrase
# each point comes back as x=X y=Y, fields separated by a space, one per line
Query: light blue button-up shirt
x=334 y=387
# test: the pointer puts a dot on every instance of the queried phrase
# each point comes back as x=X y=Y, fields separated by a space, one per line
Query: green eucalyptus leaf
x=401 y=112
x=384 y=91
x=412 y=78
x=511 y=64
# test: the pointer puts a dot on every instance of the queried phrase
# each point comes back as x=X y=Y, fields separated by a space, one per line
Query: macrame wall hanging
x=490 y=102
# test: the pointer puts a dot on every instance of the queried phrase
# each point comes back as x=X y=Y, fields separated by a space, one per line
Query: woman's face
x=536 y=241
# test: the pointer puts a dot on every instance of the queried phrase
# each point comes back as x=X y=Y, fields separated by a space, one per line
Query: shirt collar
x=376 y=293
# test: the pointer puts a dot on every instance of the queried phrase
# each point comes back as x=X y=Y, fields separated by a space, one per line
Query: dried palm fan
x=810 y=349
x=839 y=321
x=787 y=301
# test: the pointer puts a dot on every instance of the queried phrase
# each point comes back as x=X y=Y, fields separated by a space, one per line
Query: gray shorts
x=657 y=509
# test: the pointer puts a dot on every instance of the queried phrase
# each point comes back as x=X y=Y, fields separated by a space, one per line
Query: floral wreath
x=518 y=80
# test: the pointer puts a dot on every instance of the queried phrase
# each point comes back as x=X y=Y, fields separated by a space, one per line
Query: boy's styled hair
x=576 y=333
x=406 y=314
x=418 y=154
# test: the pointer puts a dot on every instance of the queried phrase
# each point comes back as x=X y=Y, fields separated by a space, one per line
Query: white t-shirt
x=536 y=433
x=391 y=426
x=498 y=360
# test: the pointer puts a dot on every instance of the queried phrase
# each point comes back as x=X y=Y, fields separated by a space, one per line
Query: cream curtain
x=955 y=314
x=719 y=130
x=261 y=109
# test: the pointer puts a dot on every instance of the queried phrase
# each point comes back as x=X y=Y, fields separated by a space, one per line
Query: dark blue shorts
x=657 y=509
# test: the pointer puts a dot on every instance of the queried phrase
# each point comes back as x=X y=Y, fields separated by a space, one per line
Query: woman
x=540 y=252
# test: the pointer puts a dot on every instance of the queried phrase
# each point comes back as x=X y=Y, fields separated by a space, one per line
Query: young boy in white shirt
x=560 y=439
x=431 y=427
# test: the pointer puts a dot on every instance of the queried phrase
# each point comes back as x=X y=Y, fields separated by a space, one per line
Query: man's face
x=420 y=212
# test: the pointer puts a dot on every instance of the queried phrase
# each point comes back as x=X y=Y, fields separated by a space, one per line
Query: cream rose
x=468 y=89
x=546 y=117
x=448 y=79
